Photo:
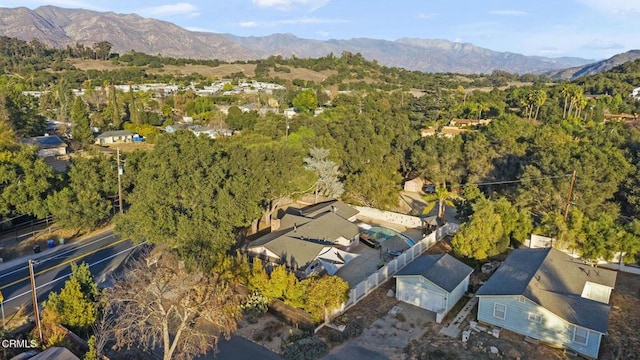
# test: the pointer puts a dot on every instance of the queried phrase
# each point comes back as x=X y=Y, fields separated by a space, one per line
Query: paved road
x=239 y=348
x=103 y=252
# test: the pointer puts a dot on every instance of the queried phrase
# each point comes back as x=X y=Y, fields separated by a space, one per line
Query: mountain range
x=60 y=27
x=594 y=68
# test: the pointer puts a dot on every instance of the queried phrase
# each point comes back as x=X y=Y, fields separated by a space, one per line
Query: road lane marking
x=57 y=255
x=64 y=263
x=68 y=275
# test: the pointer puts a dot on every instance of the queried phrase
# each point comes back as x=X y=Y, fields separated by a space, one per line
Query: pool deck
x=414 y=234
x=370 y=259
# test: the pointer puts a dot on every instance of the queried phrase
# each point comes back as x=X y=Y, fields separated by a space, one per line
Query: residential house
x=48 y=145
x=469 y=122
x=433 y=282
x=55 y=353
x=451 y=131
x=414 y=185
x=547 y=295
x=114 y=137
x=636 y=93
x=310 y=240
x=430 y=131
x=290 y=113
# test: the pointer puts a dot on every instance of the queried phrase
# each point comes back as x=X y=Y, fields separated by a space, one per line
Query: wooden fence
x=295 y=317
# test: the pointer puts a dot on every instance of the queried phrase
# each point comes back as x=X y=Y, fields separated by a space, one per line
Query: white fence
x=392 y=217
x=376 y=279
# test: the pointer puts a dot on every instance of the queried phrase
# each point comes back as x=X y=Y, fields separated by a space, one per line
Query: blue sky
x=595 y=29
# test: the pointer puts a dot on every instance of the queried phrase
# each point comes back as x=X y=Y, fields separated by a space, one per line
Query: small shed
x=414 y=185
x=433 y=282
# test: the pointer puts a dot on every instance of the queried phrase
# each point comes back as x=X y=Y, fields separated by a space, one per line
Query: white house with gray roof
x=547 y=295
x=433 y=282
x=310 y=240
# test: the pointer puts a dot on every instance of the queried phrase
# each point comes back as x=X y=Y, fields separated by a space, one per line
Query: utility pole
x=570 y=195
x=34 y=300
x=119 y=180
x=286 y=132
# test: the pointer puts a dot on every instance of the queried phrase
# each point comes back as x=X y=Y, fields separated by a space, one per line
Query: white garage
x=433 y=282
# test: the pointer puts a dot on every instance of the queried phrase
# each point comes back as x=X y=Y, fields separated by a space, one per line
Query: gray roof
x=294 y=251
x=441 y=269
x=55 y=353
x=301 y=238
x=45 y=142
x=328 y=227
x=115 y=133
x=553 y=280
x=343 y=210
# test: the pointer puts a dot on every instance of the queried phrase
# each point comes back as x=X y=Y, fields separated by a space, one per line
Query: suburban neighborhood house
x=48 y=145
x=547 y=295
x=312 y=239
x=113 y=137
x=433 y=282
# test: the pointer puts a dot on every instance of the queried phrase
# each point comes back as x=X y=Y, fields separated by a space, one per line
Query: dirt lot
x=623 y=341
x=221 y=71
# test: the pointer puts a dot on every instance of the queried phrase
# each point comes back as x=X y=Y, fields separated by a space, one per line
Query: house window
x=580 y=335
x=535 y=318
x=499 y=311
x=521 y=299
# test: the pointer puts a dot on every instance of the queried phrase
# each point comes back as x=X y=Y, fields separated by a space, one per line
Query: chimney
x=275 y=224
x=334 y=209
x=295 y=227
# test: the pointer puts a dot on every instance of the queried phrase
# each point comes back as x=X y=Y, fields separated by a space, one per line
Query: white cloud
x=508 y=12
x=615 y=7
x=249 y=24
x=199 y=29
x=287 y=5
x=296 y=21
x=549 y=51
x=426 y=16
x=324 y=34
x=599 y=44
x=181 y=8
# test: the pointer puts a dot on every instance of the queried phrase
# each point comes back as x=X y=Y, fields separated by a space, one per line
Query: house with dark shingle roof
x=433 y=282
x=310 y=240
x=547 y=295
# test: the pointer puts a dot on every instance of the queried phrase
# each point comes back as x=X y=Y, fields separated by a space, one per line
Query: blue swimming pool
x=381 y=233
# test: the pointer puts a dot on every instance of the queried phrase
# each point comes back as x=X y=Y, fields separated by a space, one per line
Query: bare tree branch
x=164 y=306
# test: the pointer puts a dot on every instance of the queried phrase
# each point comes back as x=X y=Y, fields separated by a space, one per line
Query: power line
x=517 y=181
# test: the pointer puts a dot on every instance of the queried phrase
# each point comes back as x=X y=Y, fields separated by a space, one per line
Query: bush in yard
x=353 y=328
x=255 y=305
x=310 y=348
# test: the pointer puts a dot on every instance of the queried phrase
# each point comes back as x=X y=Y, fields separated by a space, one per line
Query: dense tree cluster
x=197 y=195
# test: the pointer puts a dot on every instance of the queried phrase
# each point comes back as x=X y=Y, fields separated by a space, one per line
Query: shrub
x=310 y=348
x=255 y=305
x=353 y=328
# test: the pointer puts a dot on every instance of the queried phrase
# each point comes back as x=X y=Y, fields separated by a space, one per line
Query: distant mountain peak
x=595 y=67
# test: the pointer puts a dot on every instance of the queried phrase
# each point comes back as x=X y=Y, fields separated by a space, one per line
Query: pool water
x=381 y=233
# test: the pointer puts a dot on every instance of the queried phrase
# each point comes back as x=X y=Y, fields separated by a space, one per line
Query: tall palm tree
x=443 y=197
